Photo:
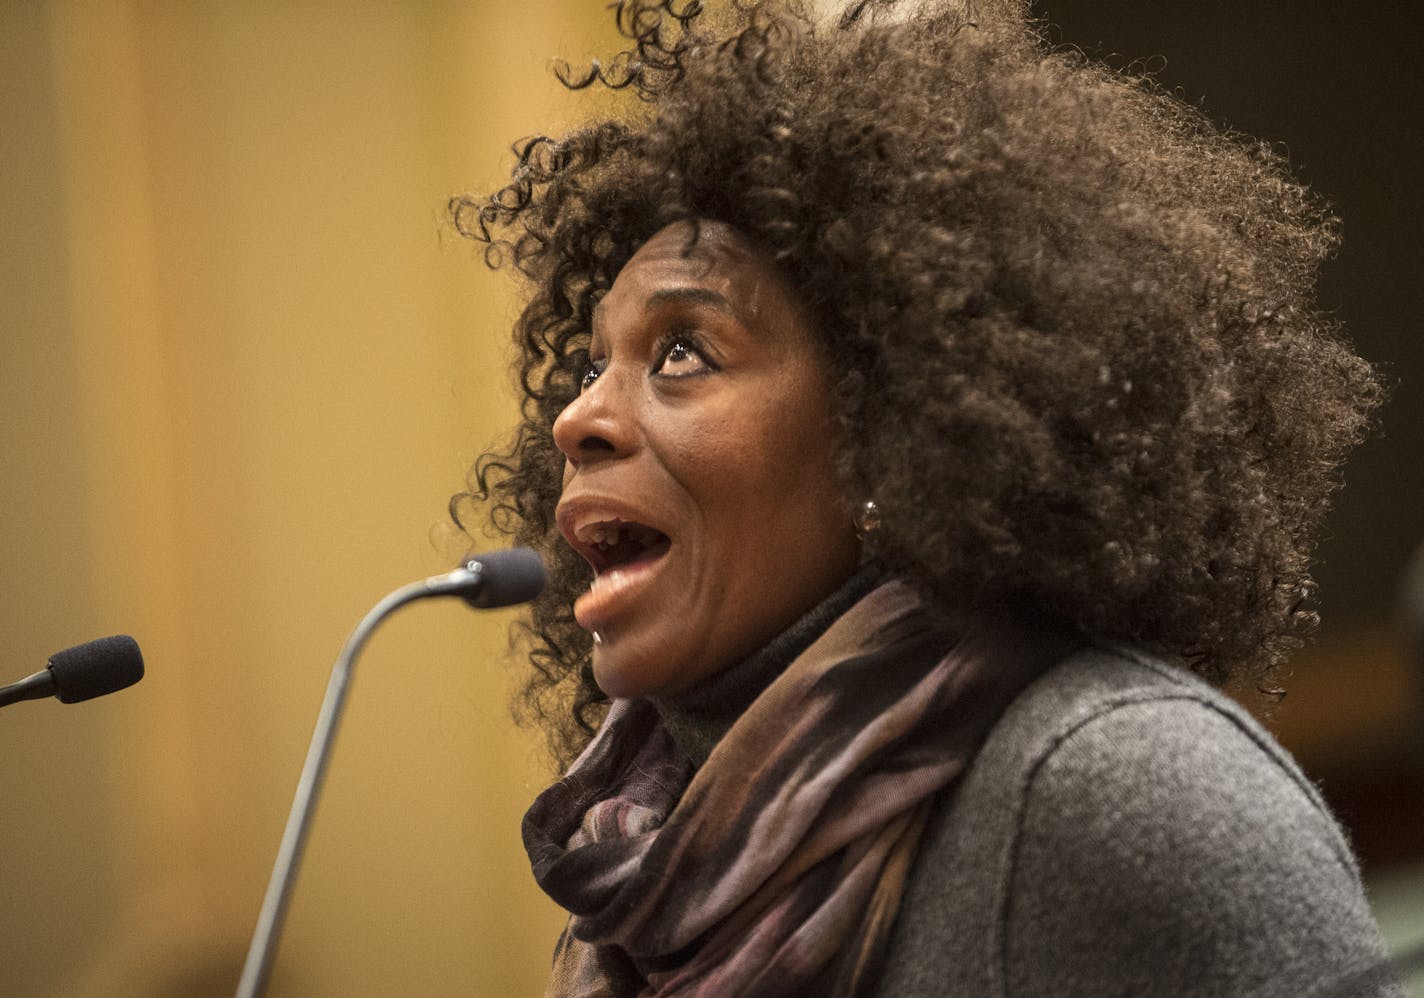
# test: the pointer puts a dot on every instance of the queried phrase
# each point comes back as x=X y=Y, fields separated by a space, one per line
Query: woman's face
x=699 y=481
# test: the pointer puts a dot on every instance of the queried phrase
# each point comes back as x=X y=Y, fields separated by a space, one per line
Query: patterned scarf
x=778 y=866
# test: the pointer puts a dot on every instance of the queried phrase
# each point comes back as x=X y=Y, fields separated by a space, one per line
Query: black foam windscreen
x=508 y=577
x=96 y=668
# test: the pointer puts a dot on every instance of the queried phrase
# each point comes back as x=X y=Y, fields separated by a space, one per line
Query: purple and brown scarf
x=777 y=867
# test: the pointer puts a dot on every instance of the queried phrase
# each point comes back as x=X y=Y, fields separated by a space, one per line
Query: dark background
x=1337 y=85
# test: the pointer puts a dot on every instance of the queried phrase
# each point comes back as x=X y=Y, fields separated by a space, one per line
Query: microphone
x=500 y=578
x=83 y=672
x=486 y=581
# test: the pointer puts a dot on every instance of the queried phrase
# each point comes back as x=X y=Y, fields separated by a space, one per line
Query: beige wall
x=242 y=366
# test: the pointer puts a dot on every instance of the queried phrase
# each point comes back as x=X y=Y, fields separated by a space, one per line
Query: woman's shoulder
x=1119 y=721
x=1129 y=829
x=1112 y=741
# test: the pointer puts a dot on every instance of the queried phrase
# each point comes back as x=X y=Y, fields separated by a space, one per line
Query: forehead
x=710 y=264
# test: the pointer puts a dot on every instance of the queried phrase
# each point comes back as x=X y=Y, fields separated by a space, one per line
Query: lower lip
x=613 y=592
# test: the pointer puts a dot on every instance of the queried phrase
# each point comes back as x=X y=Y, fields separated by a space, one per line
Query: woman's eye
x=681 y=358
x=591 y=373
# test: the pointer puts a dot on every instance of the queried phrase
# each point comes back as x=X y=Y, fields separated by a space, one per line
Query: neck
x=697 y=718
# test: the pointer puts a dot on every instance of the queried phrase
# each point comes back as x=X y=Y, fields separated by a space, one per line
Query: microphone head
x=96 y=668
x=514 y=575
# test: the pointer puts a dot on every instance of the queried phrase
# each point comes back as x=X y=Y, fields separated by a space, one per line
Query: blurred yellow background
x=244 y=364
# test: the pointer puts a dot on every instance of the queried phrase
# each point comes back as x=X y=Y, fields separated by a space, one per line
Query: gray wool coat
x=1128 y=830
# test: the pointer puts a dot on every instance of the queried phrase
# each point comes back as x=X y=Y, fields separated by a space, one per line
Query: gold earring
x=866 y=518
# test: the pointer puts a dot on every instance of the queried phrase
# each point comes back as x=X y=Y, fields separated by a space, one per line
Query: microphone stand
x=260 y=954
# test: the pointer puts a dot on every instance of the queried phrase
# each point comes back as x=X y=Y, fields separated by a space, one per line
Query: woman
x=919 y=424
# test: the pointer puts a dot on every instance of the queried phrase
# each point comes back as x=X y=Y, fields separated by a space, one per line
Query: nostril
x=594 y=444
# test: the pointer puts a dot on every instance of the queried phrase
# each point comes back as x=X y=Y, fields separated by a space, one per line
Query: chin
x=621 y=680
x=626 y=677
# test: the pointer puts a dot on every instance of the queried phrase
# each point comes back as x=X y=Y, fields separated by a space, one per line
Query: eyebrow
x=693 y=296
x=689 y=294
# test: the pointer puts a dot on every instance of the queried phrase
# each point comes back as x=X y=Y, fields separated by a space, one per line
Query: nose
x=597 y=425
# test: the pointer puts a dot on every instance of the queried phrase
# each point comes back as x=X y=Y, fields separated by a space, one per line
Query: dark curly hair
x=1076 y=352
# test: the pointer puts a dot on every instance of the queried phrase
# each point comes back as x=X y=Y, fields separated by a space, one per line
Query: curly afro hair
x=1077 y=357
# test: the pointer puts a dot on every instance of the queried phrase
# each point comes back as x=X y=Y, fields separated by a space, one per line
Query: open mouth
x=610 y=544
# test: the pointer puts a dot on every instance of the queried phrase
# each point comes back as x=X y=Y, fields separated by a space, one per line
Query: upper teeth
x=603 y=534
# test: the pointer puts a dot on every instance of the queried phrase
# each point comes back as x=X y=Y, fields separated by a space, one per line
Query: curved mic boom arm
x=502 y=578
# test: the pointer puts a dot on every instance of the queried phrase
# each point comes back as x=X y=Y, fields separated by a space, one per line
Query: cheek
x=773 y=465
x=706 y=451
x=803 y=438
